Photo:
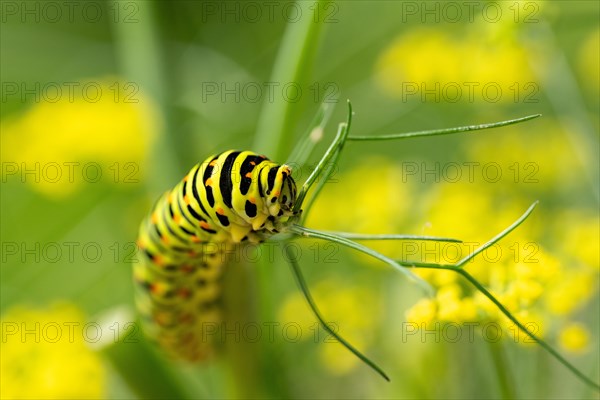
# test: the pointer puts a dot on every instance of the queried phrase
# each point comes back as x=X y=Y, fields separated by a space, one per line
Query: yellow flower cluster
x=352 y=312
x=58 y=145
x=480 y=61
x=544 y=272
x=45 y=355
x=539 y=287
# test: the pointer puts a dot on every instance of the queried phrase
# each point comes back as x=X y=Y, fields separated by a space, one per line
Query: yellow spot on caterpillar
x=220 y=211
x=186 y=199
x=154 y=218
x=252 y=200
x=208 y=182
x=249 y=175
x=213 y=163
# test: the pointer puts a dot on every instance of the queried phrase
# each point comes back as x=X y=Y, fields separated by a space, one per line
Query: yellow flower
x=453 y=307
x=45 y=356
x=468 y=310
x=443 y=277
x=422 y=313
x=570 y=292
x=464 y=211
x=579 y=236
x=527 y=290
x=58 y=146
x=574 y=338
x=472 y=65
x=448 y=299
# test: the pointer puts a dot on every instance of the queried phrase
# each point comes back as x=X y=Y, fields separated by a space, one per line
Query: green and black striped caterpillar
x=232 y=197
x=237 y=197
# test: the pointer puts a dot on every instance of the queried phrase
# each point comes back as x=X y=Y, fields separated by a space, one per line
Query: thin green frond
x=313 y=306
x=538 y=340
x=445 y=131
x=311 y=233
x=498 y=237
x=366 y=236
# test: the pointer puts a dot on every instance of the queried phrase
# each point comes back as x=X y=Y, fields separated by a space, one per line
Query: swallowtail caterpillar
x=230 y=198
x=239 y=196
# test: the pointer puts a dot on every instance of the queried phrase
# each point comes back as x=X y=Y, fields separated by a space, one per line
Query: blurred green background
x=106 y=104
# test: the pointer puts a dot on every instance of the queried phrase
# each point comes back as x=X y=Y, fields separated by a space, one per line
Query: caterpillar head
x=282 y=196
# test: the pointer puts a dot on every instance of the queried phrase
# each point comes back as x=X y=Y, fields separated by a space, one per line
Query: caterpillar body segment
x=230 y=198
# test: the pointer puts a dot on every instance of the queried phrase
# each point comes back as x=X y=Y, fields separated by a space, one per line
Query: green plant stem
x=272 y=137
x=138 y=54
x=503 y=371
x=141 y=62
x=293 y=60
x=138 y=364
x=240 y=354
